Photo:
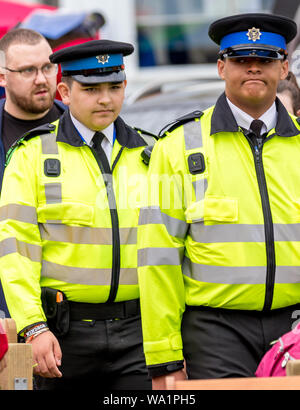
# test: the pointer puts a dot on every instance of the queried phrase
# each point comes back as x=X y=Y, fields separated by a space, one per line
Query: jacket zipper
x=268 y=223
x=116 y=255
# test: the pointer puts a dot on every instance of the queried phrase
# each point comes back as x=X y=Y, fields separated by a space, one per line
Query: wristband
x=30 y=338
x=162 y=369
x=32 y=331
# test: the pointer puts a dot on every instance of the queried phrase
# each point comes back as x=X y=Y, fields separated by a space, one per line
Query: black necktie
x=97 y=141
x=256 y=126
x=106 y=172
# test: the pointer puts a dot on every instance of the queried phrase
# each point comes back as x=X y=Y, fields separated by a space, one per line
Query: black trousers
x=221 y=343
x=101 y=355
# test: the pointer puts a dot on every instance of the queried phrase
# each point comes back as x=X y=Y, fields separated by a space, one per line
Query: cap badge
x=254 y=34
x=103 y=59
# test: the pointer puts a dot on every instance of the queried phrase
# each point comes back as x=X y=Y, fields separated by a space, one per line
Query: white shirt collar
x=87 y=134
x=244 y=120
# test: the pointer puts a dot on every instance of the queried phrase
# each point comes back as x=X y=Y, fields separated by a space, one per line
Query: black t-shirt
x=13 y=128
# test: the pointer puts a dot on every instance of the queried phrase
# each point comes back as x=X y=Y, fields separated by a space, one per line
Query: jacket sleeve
x=161 y=236
x=20 y=241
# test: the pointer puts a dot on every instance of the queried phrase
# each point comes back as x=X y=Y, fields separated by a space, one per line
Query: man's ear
x=284 y=69
x=64 y=92
x=3 y=81
x=221 y=66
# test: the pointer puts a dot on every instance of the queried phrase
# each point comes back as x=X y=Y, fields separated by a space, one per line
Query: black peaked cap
x=90 y=49
x=242 y=22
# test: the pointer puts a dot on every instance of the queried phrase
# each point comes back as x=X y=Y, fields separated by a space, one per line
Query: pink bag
x=3 y=342
x=286 y=348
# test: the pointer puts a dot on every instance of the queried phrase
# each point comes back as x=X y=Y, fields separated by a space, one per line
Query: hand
x=46 y=355
x=3 y=363
x=159 y=383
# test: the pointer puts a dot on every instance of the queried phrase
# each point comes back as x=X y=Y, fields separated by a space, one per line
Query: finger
x=57 y=353
x=51 y=366
x=42 y=368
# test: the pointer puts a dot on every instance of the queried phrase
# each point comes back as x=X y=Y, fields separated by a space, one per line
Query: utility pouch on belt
x=56 y=308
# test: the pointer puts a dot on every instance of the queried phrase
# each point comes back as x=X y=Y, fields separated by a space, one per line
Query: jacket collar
x=223 y=120
x=60 y=105
x=126 y=136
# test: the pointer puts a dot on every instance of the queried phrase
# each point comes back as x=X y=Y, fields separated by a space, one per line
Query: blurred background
x=173 y=70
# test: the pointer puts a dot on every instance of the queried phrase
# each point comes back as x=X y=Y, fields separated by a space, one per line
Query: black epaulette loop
x=146 y=154
x=178 y=122
x=150 y=134
x=146 y=133
x=43 y=129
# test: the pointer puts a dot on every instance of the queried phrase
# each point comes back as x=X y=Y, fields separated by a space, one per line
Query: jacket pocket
x=66 y=213
x=213 y=208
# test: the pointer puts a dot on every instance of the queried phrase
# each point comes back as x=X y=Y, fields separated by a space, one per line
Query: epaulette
x=178 y=122
x=147 y=136
x=298 y=120
x=150 y=139
x=42 y=129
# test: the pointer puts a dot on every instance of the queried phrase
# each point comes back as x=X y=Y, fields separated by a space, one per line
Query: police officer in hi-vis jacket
x=219 y=261
x=69 y=230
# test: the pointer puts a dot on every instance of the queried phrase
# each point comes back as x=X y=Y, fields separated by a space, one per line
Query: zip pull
x=287 y=357
x=257 y=152
x=259 y=143
x=285 y=360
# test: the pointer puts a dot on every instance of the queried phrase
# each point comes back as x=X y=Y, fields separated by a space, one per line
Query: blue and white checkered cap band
x=90 y=63
x=242 y=38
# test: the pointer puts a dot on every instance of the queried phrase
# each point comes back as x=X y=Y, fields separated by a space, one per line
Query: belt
x=104 y=311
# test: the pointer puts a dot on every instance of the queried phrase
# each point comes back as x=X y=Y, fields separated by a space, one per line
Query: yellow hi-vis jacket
x=223 y=230
x=65 y=224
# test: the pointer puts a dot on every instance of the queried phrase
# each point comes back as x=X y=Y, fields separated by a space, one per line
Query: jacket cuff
x=166 y=368
x=24 y=331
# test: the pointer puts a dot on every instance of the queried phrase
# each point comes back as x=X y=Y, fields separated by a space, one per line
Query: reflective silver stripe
x=49 y=144
x=242 y=233
x=12 y=245
x=54 y=221
x=193 y=135
x=153 y=215
x=226 y=233
x=224 y=274
x=200 y=187
x=128 y=276
x=85 y=234
x=22 y=213
x=53 y=193
x=160 y=256
x=287 y=274
x=52 y=190
x=238 y=275
x=87 y=276
x=287 y=232
x=128 y=236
